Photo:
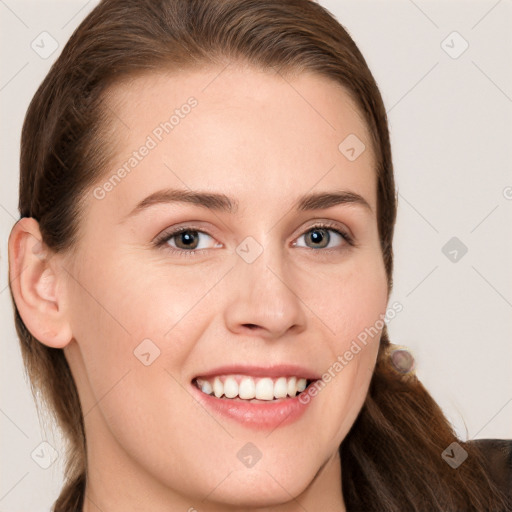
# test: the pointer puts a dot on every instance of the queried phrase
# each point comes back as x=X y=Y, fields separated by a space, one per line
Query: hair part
x=63 y=154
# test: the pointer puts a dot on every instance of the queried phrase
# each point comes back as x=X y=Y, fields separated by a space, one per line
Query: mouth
x=251 y=389
x=256 y=397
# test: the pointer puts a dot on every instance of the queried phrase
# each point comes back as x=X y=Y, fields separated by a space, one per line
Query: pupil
x=317 y=235
x=187 y=238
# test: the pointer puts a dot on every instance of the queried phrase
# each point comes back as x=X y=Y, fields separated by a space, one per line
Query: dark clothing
x=498 y=453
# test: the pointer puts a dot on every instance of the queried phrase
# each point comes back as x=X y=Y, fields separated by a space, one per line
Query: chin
x=253 y=488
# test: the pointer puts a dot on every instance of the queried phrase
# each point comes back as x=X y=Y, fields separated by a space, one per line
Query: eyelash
x=163 y=239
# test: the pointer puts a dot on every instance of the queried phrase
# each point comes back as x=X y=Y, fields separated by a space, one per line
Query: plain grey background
x=443 y=68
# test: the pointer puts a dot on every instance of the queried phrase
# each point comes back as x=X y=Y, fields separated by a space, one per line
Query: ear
x=38 y=281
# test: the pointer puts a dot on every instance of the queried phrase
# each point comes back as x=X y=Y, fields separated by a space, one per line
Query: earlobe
x=38 y=285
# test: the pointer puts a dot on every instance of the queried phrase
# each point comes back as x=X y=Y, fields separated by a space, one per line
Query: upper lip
x=281 y=370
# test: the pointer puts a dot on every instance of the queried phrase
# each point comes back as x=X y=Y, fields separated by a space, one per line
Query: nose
x=262 y=300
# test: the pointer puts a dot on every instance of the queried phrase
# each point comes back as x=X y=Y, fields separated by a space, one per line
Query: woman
x=205 y=263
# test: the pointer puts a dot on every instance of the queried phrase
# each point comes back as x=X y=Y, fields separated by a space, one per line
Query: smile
x=257 y=397
x=246 y=387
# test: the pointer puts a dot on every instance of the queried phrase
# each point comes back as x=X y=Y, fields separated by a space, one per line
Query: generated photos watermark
x=355 y=347
x=152 y=140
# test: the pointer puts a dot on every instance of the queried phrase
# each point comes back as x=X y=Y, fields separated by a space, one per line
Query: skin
x=263 y=141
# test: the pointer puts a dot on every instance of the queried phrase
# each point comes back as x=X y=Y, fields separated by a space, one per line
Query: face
x=261 y=293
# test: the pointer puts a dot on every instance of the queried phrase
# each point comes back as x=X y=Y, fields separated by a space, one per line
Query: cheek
x=125 y=302
x=137 y=328
x=123 y=320
x=352 y=308
x=349 y=299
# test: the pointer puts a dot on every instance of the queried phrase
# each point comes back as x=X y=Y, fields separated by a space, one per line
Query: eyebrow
x=223 y=203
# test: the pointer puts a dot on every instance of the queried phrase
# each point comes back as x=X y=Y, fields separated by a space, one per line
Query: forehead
x=261 y=134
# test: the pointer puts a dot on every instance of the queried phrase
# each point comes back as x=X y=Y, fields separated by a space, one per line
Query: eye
x=319 y=236
x=186 y=241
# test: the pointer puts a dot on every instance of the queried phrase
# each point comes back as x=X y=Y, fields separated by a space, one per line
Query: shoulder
x=498 y=454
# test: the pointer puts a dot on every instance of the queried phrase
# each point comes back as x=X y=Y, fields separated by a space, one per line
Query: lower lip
x=264 y=415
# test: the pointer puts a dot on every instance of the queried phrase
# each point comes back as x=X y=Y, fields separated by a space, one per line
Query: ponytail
x=391 y=458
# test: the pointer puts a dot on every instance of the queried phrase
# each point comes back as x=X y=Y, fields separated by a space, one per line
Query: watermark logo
x=249 y=455
x=454 y=455
x=44 y=45
x=249 y=250
x=351 y=147
x=454 y=45
x=454 y=249
x=146 y=352
x=44 y=455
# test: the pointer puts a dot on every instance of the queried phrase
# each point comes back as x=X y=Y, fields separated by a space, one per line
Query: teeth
x=248 y=388
x=280 y=388
x=265 y=389
x=206 y=387
x=292 y=386
x=301 y=385
x=230 y=387
x=218 y=387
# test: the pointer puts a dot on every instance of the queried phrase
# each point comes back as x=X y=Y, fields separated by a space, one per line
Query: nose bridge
x=265 y=297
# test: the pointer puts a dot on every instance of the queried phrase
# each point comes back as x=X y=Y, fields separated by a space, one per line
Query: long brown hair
x=391 y=458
